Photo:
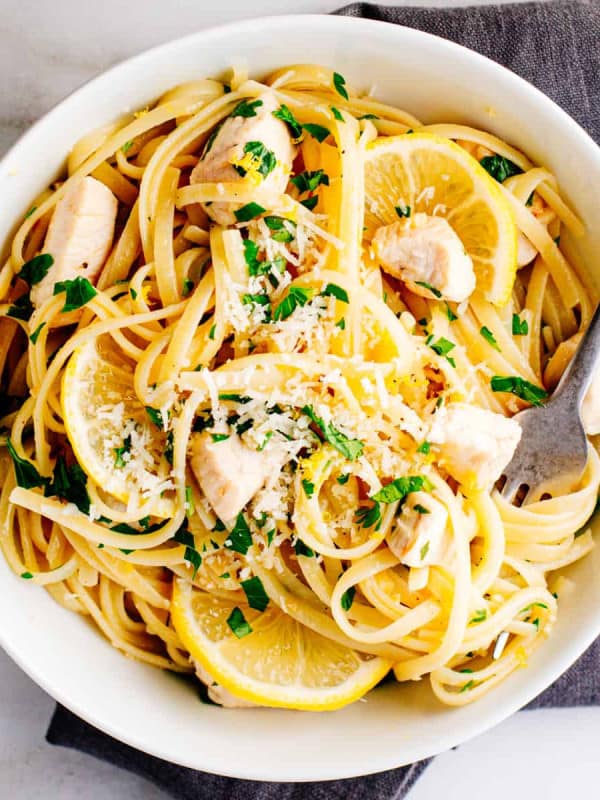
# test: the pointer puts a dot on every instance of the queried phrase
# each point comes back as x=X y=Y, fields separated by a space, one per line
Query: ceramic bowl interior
x=395 y=725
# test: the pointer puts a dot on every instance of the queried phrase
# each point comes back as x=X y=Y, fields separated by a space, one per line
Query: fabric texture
x=554 y=45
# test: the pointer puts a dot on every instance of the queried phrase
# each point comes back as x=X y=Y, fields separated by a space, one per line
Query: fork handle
x=578 y=375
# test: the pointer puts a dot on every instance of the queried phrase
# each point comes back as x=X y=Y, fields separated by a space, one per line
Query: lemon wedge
x=267 y=657
x=420 y=172
x=113 y=438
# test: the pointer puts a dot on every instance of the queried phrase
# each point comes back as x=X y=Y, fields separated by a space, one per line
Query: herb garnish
x=78 y=292
x=347 y=598
x=255 y=593
x=26 y=473
x=332 y=289
x=309 y=181
x=520 y=387
x=296 y=297
x=308 y=486
x=36 y=269
x=402 y=211
x=349 y=448
x=264 y=161
x=435 y=292
x=339 y=83
x=500 y=167
x=247 y=108
x=240 y=538
x=490 y=338
x=520 y=327
x=238 y=624
x=248 y=212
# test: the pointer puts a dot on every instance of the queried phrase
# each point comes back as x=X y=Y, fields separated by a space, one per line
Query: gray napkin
x=554 y=45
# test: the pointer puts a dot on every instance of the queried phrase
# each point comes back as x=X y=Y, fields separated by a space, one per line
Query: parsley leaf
x=36 y=269
x=499 y=167
x=347 y=598
x=309 y=181
x=219 y=437
x=69 y=483
x=339 y=83
x=155 y=416
x=310 y=202
x=308 y=486
x=402 y=211
x=33 y=337
x=281 y=228
x=211 y=333
x=120 y=452
x=480 y=616
x=520 y=327
x=367 y=516
x=285 y=115
x=332 y=289
x=421 y=510
x=349 y=448
x=399 y=488
x=78 y=292
x=191 y=554
x=26 y=575
x=337 y=114
x=424 y=447
x=342 y=479
x=442 y=347
x=25 y=472
x=490 y=338
x=435 y=292
x=248 y=212
x=296 y=296
x=452 y=317
x=238 y=624
x=303 y=550
x=520 y=387
x=264 y=161
x=21 y=308
x=240 y=538
x=188 y=286
x=255 y=593
x=319 y=132
x=247 y=108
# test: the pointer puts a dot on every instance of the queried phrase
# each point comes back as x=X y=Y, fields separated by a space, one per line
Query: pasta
x=242 y=396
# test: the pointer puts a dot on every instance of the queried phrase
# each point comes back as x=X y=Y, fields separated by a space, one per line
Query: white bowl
x=151 y=710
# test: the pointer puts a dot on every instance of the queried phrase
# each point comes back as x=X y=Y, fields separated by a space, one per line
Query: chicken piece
x=418 y=538
x=218 y=162
x=218 y=694
x=474 y=444
x=79 y=236
x=526 y=252
x=228 y=472
x=425 y=251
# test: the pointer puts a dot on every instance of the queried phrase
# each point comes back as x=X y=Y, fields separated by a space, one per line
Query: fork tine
x=510 y=488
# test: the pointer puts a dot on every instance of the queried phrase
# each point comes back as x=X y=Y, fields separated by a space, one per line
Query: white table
x=49 y=48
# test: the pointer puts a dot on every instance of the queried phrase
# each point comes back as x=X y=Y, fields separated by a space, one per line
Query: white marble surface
x=48 y=49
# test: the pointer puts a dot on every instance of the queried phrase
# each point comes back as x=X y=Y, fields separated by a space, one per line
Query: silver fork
x=552 y=453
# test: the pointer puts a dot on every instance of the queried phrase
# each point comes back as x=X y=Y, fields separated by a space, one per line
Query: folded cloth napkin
x=555 y=46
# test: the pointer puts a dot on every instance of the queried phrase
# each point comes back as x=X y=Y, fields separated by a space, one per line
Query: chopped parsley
x=36 y=269
x=480 y=616
x=188 y=287
x=247 y=108
x=518 y=386
x=191 y=555
x=370 y=116
x=452 y=317
x=126 y=147
x=133 y=293
x=234 y=397
x=442 y=347
x=308 y=486
x=424 y=550
x=347 y=598
x=26 y=474
x=402 y=211
x=349 y=448
x=21 y=308
x=435 y=292
x=238 y=624
x=310 y=202
x=303 y=550
x=211 y=333
x=424 y=447
x=469 y=685
x=319 y=132
x=337 y=114
x=155 y=416
x=264 y=442
x=31 y=211
x=421 y=510
x=33 y=337
x=280 y=228
x=399 y=488
x=255 y=593
x=339 y=84
x=78 y=292
x=309 y=181
x=285 y=115
x=69 y=483
x=342 y=479
x=219 y=437
x=332 y=289
x=520 y=327
x=490 y=338
x=367 y=516
x=27 y=576
x=296 y=297
x=341 y=324
x=240 y=538
x=264 y=161
x=248 y=212
x=120 y=462
x=500 y=167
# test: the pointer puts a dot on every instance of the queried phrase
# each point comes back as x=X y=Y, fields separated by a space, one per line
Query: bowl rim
x=548 y=672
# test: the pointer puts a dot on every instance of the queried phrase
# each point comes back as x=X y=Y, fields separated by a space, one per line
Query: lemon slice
x=433 y=175
x=279 y=663
x=112 y=436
